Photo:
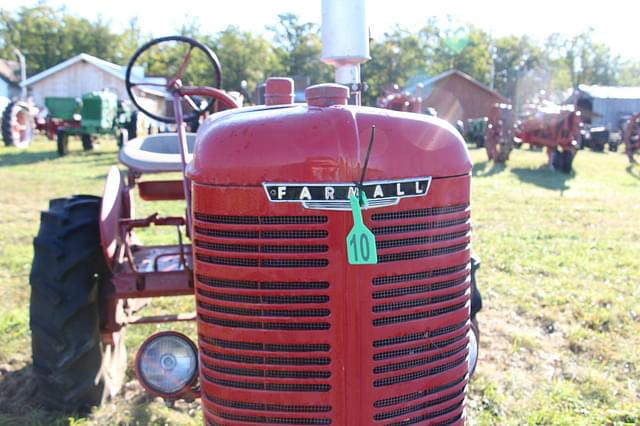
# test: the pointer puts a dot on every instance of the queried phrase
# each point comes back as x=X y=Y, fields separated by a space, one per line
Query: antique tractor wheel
x=17 y=125
x=631 y=138
x=62 y=140
x=73 y=367
x=87 y=141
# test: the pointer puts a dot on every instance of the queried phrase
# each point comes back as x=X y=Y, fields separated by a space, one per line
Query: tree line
x=515 y=66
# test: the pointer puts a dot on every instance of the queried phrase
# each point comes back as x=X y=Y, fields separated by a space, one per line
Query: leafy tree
x=245 y=56
x=298 y=49
x=394 y=60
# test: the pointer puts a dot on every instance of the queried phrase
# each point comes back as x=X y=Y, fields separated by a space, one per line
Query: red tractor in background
x=291 y=327
x=631 y=137
x=498 y=140
x=395 y=99
x=556 y=128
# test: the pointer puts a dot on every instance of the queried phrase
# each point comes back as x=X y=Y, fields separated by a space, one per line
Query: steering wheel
x=174 y=85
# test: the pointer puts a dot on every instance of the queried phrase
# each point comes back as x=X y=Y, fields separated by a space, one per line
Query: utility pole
x=23 y=73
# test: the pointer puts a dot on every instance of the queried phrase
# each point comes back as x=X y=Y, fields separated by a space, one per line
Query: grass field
x=560 y=278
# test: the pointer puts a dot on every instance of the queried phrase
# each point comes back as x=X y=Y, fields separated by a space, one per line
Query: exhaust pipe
x=345 y=41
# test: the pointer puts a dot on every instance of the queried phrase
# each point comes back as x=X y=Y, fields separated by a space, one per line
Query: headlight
x=167 y=364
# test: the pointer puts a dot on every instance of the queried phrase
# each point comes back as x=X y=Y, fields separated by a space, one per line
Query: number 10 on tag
x=361 y=243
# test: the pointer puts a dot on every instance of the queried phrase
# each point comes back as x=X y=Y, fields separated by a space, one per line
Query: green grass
x=559 y=277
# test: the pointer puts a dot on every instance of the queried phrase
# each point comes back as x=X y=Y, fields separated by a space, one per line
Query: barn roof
x=432 y=81
x=610 y=92
x=117 y=71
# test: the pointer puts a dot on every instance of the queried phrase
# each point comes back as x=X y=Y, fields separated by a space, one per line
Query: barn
x=457 y=96
x=82 y=74
x=607 y=106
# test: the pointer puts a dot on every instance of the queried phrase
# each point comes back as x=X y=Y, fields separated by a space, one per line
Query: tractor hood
x=302 y=143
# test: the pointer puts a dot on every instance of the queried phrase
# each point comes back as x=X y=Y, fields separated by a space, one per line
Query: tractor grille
x=274 y=309
x=420 y=344
x=241 y=361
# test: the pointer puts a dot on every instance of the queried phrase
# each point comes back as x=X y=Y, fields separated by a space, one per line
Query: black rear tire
x=62 y=140
x=567 y=159
x=87 y=142
x=73 y=368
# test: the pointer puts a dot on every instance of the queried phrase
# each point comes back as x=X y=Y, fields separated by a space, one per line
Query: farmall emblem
x=335 y=196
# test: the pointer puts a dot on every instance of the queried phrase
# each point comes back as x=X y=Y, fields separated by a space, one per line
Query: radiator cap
x=324 y=95
x=278 y=91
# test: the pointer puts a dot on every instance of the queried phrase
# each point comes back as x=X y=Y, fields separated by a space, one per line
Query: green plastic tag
x=361 y=243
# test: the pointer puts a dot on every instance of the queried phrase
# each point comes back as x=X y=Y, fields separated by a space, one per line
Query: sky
x=614 y=22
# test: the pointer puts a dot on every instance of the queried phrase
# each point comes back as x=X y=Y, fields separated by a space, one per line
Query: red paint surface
x=247 y=309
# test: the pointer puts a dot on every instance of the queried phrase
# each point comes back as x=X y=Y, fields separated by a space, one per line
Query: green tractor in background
x=477 y=131
x=97 y=113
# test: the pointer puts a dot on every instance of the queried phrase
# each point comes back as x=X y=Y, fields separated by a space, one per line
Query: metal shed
x=607 y=105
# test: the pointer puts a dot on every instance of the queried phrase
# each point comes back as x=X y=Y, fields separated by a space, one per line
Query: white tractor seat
x=155 y=153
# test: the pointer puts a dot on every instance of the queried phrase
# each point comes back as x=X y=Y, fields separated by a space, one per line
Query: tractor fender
x=112 y=209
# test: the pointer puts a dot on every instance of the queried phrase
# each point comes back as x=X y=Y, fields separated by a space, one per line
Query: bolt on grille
x=419 y=254
x=265 y=325
x=387 y=402
x=414 y=303
x=392 y=279
x=281 y=387
x=417 y=362
x=279 y=374
x=269 y=419
x=414 y=350
x=245 y=248
x=268 y=347
x=242 y=298
x=418 y=407
x=268 y=235
x=260 y=220
x=428 y=212
x=419 y=374
x=385 y=244
x=417 y=315
x=246 y=359
x=418 y=336
x=262 y=285
x=415 y=227
x=264 y=263
x=265 y=312
x=256 y=406
x=431 y=415
x=418 y=289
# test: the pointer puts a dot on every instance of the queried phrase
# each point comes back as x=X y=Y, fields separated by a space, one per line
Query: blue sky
x=615 y=22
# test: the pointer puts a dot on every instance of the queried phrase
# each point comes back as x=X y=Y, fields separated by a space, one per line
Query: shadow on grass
x=14 y=157
x=634 y=170
x=19 y=404
x=18 y=400
x=480 y=169
x=545 y=177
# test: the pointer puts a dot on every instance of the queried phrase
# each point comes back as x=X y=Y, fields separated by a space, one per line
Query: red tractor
x=393 y=98
x=555 y=128
x=291 y=327
x=498 y=140
x=631 y=137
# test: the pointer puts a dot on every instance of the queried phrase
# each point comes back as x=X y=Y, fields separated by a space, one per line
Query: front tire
x=73 y=368
x=17 y=125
